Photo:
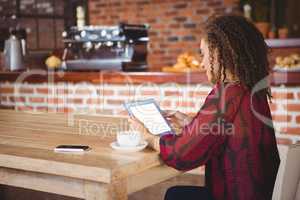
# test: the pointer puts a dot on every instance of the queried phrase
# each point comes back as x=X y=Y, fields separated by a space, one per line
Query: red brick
x=115 y=102
x=83 y=91
x=17 y=99
x=149 y=93
x=157 y=41
x=43 y=90
x=283 y=95
x=65 y=110
x=42 y=109
x=75 y=101
x=159 y=51
x=105 y=92
x=63 y=91
x=291 y=130
x=292 y=107
x=6 y=90
x=185 y=104
x=284 y=141
x=214 y=3
x=202 y=11
x=36 y=99
x=4 y=98
x=180 y=5
x=282 y=118
x=24 y=108
x=182 y=33
x=171 y=13
x=173 y=93
x=126 y=93
x=197 y=94
x=94 y=101
x=55 y=100
x=298 y=119
x=158 y=26
x=25 y=90
x=167 y=10
x=273 y=106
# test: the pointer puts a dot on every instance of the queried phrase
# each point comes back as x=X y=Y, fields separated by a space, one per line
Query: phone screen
x=72 y=148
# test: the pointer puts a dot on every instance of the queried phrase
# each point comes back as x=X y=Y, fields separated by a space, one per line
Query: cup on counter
x=129 y=138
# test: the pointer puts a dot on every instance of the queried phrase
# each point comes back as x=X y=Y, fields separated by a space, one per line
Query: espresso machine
x=122 y=47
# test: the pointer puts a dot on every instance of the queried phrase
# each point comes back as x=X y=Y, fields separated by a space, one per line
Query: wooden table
x=27 y=160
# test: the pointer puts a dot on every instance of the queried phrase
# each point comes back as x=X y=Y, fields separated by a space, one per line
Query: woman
x=231 y=134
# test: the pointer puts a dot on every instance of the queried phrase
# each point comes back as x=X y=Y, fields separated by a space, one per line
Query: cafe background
x=174 y=38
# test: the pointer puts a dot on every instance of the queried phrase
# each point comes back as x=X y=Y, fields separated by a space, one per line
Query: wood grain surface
x=27 y=158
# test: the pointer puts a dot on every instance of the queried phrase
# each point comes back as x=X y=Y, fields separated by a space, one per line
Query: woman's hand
x=153 y=140
x=177 y=119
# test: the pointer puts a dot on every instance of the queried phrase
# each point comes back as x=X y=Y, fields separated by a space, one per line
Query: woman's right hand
x=177 y=119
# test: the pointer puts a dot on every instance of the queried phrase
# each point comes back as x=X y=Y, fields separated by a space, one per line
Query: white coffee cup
x=129 y=138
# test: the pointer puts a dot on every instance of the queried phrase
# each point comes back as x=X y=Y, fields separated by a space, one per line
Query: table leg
x=101 y=191
x=118 y=190
x=96 y=191
x=2 y=196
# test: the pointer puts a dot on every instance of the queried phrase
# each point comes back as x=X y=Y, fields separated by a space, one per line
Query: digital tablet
x=149 y=113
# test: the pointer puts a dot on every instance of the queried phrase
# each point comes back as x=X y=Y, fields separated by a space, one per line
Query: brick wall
x=175 y=24
x=108 y=98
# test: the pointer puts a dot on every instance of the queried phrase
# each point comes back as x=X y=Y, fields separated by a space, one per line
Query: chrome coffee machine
x=122 y=47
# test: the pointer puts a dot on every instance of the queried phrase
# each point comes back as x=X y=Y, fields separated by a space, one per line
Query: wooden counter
x=115 y=77
x=27 y=159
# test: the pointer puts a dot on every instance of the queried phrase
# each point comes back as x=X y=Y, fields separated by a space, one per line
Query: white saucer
x=140 y=147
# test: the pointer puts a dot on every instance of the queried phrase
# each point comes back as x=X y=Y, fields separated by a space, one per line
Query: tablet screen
x=148 y=112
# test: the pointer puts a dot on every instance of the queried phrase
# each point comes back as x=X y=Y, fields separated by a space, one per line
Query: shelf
x=116 y=77
x=283 y=43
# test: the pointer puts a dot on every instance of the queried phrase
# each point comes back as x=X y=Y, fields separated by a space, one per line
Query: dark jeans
x=188 y=193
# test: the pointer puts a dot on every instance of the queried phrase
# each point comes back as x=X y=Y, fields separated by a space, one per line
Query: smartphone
x=71 y=148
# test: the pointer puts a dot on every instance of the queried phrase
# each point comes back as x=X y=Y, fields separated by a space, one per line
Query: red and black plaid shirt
x=232 y=135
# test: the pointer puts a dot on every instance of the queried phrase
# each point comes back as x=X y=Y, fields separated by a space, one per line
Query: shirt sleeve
x=204 y=137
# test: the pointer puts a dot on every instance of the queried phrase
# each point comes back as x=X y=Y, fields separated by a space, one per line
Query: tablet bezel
x=128 y=106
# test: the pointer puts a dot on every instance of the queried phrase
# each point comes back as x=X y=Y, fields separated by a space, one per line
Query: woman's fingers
x=168 y=113
x=180 y=116
x=176 y=119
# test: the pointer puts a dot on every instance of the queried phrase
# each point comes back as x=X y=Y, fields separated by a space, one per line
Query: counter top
x=116 y=77
x=113 y=77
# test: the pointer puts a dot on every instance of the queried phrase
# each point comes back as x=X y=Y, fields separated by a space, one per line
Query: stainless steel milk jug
x=13 y=54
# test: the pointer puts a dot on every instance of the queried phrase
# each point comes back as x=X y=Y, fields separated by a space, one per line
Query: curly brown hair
x=241 y=48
